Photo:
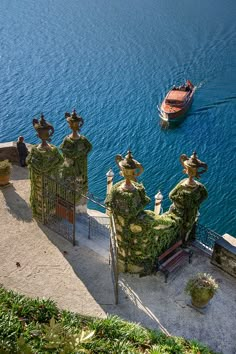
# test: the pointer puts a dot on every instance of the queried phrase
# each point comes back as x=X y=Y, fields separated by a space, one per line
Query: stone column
x=158 y=200
x=43 y=160
x=126 y=205
x=75 y=148
x=110 y=176
x=186 y=203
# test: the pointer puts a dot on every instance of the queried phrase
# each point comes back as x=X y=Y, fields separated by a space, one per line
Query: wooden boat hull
x=172 y=113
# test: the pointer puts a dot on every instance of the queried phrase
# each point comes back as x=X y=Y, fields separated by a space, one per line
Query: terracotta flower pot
x=4 y=180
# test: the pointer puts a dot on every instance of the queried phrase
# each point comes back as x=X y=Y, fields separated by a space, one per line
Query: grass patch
x=37 y=326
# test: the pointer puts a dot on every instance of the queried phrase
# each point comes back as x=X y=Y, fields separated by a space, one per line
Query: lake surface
x=114 y=61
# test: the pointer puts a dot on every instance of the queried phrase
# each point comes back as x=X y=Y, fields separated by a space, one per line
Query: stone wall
x=224 y=254
x=8 y=151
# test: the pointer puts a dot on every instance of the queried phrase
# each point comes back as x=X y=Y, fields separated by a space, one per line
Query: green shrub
x=201 y=281
x=5 y=168
x=29 y=326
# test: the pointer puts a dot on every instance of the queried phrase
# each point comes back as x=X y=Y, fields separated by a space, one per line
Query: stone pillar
x=186 y=200
x=41 y=162
x=126 y=205
x=158 y=201
x=75 y=148
x=110 y=176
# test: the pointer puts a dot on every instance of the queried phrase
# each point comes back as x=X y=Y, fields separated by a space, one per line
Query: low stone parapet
x=224 y=254
x=8 y=151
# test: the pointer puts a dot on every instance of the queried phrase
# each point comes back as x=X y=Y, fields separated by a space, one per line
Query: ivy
x=41 y=162
x=75 y=160
x=143 y=235
x=186 y=202
x=70 y=168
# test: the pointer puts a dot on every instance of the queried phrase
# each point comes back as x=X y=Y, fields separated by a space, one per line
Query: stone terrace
x=78 y=278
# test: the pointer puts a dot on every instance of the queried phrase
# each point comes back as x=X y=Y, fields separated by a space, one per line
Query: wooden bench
x=172 y=258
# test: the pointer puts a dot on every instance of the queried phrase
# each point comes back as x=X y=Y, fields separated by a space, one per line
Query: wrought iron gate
x=58 y=212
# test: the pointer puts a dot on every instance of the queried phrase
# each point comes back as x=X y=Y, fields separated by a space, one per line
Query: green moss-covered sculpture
x=186 y=202
x=141 y=234
x=127 y=203
x=75 y=154
x=41 y=162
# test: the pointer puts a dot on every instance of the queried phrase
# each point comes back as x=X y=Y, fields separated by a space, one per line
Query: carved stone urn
x=44 y=131
x=193 y=167
x=75 y=122
x=129 y=169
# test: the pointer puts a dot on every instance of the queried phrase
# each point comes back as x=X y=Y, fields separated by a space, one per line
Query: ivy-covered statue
x=189 y=193
x=142 y=235
x=43 y=160
x=75 y=148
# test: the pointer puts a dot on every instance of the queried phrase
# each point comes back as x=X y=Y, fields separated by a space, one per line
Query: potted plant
x=201 y=288
x=5 y=170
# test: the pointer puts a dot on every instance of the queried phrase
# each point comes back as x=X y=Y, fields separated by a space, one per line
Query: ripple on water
x=114 y=62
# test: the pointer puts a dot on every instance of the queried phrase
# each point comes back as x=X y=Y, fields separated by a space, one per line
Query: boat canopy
x=176 y=97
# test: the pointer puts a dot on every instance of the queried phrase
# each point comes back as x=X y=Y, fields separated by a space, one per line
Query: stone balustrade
x=224 y=254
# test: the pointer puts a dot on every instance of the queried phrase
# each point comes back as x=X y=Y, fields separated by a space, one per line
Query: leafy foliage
x=41 y=162
x=75 y=160
x=44 y=161
x=201 y=281
x=30 y=326
x=143 y=234
x=186 y=202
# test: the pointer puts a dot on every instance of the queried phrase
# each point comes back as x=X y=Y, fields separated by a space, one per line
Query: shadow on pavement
x=19 y=173
x=16 y=205
x=94 y=271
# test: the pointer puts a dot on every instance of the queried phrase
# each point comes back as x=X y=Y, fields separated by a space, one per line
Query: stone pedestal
x=224 y=254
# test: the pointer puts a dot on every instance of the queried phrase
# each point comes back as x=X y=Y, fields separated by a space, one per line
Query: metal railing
x=113 y=260
x=205 y=237
x=98 y=225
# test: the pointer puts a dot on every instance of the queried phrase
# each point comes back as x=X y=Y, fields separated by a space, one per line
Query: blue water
x=114 y=61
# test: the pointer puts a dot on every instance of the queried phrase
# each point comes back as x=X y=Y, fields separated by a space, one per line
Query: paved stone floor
x=78 y=278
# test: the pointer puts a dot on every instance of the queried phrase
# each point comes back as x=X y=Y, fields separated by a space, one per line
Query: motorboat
x=177 y=101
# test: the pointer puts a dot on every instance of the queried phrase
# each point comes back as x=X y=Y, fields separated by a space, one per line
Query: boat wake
x=161 y=114
x=198 y=86
x=215 y=104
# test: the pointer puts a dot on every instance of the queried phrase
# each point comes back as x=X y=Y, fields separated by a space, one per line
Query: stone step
x=92 y=231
